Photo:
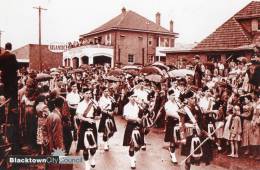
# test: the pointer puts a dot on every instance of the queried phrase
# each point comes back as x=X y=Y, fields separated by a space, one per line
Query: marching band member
x=133 y=136
x=73 y=99
x=87 y=130
x=141 y=93
x=200 y=131
x=107 y=124
x=171 y=109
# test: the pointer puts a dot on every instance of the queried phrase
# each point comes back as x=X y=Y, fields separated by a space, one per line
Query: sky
x=65 y=20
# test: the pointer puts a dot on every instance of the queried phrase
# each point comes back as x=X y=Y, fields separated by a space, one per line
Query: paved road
x=155 y=157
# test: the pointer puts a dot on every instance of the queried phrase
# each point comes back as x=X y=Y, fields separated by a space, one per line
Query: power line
x=40 y=50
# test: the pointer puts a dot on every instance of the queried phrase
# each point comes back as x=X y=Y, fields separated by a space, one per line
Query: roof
x=252 y=10
x=132 y=21
x=231 y=34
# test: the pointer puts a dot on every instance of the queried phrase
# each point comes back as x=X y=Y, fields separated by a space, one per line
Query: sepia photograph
x=130 y=84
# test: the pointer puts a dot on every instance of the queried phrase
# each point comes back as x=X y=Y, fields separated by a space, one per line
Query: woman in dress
x=255 y=130
x=246 y=116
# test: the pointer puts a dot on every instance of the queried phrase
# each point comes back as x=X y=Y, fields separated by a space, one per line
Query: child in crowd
x=235 y=131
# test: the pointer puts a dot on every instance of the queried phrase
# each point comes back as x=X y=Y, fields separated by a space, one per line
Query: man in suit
x=54 y=126
x=198 y=73
x=8 y=67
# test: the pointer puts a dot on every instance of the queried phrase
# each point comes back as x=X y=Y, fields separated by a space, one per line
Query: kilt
x=83 y=127
x=102 y=123
x=171 y=123
x=130 y=126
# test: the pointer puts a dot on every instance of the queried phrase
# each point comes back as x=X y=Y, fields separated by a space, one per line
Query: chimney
x=158 y=18
x=123 y=10
x=171 y=26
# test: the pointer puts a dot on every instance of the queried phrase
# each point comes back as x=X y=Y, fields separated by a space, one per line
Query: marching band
x=194 y=118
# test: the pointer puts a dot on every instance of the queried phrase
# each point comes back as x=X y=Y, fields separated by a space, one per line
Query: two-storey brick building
x=130 y=37
x=238 y=36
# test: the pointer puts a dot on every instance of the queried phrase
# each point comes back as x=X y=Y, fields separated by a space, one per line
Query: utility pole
x=0 y=41
x=40 y=43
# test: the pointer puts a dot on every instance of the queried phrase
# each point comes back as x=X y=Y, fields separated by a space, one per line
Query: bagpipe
x=147 y=122
x=97 y=109
x=147 y=118
x=89 y=139
x=114 y=103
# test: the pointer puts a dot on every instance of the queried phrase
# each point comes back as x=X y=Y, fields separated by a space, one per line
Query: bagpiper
x=133 y=137
x=107 y=124
x=87 y=130
x=172 y=120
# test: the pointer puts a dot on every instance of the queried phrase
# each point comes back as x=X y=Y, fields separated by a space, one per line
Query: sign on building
x=58 y=47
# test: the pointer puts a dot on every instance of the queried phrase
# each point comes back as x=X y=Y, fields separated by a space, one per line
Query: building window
x=130 y=58
x=99 y=41
x=166 y=42
x=150 y=41
x=96 y=40
x=163 y=59
x=108 y=39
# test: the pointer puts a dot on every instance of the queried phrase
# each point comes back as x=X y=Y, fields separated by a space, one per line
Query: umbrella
x=54 y=73
x=111 y=78
x=255 y=60
x=132 y=72
x=54 y=69
x=116 y=72
x=242 y=59
x=154 y=78
x=160 y=65
x=61 y=68
x=131 y=67
x=43 y=77
x=181 y=73
x=151 y=70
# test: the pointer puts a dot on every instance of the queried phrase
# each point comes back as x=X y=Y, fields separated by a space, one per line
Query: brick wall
x=49 y=59
x=31 y=52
